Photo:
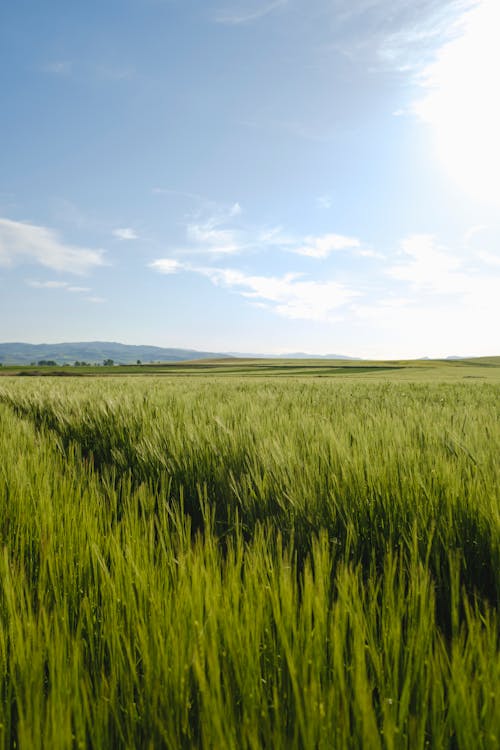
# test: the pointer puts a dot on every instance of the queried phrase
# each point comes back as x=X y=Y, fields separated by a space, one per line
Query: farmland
x=250 y=554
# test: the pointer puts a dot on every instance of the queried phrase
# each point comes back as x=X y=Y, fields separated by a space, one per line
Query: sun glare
x=463 y=104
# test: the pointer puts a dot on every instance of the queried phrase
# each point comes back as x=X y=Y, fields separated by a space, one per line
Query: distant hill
x=293 y=355
x=95 y=352
x=302 y=355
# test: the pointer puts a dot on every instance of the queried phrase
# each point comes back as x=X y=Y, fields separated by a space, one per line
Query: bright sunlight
x=462 y=103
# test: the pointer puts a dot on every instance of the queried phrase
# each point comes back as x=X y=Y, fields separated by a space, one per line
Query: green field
x=251 y=554
x=483 y=368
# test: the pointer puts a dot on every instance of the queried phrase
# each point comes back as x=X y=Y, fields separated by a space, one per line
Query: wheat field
x=234 y=562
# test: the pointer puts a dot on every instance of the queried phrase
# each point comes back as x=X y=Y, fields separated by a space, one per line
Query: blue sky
x=252 y=175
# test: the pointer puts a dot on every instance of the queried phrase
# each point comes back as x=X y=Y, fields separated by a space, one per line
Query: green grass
x=251 y=562
x=484 y=368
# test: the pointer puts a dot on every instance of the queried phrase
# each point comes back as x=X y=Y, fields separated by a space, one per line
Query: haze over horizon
x=252 y=175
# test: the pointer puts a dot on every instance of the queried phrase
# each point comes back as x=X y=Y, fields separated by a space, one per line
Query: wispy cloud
x=474 y=231
x=411 y=34
x=429 y=267
x=23 y=242
x=167 y=265
x=48 y=284
x=322 y=246
x=113 y=73
x=209 y=238
x=58 y=67
x=290 y=296
x=490 y=259
x=438 y=298
x=97 y=71
x=247 y=12
x=125 y=233
x=221 y=233
x=274 y=237
x=235 y=209
x=214 y=235
x=390 y=35
x=426 y=265
x=65 y=285
x=180 y=194
x=324 y=201
x=315 y=130
x=426 y=291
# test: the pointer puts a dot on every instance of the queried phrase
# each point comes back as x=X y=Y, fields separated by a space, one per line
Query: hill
x=292 y=355
x=95 y=352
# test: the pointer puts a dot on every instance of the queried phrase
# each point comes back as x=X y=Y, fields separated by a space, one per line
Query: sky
x=263 y=176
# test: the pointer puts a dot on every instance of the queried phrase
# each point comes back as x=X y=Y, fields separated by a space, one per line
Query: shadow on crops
x=362 y=528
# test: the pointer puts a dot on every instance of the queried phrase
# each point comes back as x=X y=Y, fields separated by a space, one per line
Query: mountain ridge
x=20 y=353
x=92 y=352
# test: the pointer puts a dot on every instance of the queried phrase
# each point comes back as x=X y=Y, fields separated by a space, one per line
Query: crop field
x=298 y=557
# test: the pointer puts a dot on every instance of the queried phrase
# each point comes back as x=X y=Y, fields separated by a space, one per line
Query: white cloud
x=209 y=238
x=442 y=303
x=290 y=296
x=212 y=236
x=367 y=252
x=222 y=234
x=428 y=301
x=248 y=11
x=125 y=233
x=48 y=284
x=396 y=35
x=322 y=246
x=417 y=28
x=431 y=326
x=473 y=231
x=20 y=241
x=65 y=285
x=489 y=258
x=430 y=268
x=96 y=300
x=439 y=303
x=426 y=265
x=166 y=265
x=274 y=237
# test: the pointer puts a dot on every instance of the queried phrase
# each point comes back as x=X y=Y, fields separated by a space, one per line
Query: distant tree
x=138 y=362
x=46 y=363
x=108 y=363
